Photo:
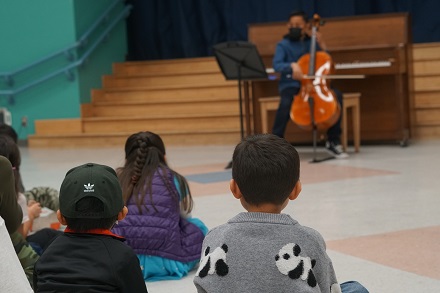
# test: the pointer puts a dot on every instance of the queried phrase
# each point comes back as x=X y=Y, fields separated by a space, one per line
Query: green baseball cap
x=91 y=180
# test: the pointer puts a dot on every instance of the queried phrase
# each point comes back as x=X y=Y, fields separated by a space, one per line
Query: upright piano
x=377 y=46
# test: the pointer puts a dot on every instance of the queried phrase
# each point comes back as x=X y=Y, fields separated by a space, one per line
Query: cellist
x=293 y=45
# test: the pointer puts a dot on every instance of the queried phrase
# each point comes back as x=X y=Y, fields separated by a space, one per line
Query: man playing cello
x=294 y=45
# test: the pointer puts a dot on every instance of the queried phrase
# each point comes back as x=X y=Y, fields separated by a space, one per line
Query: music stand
x=239 y=61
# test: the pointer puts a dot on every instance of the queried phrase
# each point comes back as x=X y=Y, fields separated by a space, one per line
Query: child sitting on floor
x=159 y=228
x=44 y=195
x=264 y=250
x=30 y=209
x=88 y=257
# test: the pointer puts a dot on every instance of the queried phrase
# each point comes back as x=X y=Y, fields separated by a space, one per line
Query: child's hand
x=34 y=210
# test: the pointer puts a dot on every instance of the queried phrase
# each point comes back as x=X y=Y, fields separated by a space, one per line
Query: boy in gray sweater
x=263 y=250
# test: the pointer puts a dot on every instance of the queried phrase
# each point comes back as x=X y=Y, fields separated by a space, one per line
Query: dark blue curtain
x=168 y=29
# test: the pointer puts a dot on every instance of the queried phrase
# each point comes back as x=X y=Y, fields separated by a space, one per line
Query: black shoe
x=335 y=150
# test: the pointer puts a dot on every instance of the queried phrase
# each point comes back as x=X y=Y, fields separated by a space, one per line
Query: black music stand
x=239 y=61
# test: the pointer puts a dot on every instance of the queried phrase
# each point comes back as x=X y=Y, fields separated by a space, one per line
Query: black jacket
x=77 y=262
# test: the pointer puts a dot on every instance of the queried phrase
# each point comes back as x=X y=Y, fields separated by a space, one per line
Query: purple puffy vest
x=163 y=233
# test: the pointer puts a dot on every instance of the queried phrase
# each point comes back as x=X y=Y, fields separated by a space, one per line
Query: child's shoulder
x=90 y=240
x=285 y=228
x=113 y=247
x=217 y=233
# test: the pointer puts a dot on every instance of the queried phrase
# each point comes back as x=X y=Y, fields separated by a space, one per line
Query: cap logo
x=89 y=187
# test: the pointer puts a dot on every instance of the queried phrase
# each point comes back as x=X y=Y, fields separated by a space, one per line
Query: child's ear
x=61 y=218
x=235 y=189
x=296 y=191
x=122 y=213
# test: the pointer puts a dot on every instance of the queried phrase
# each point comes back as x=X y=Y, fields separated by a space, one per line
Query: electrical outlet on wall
x=24 y=121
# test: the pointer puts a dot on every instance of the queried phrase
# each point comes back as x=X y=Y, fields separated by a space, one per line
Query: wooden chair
x=350 y=101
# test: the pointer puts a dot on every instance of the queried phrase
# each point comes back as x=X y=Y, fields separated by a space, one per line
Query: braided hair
x=144 y=156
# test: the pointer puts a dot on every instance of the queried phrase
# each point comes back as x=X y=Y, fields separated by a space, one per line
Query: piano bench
x=350 y=100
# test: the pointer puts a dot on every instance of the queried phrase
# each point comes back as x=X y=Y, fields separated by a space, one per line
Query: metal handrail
x=67 y=69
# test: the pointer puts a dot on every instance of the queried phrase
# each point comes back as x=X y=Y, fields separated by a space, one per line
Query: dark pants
x=283 y=115
x=353 y=287
x=41 y=239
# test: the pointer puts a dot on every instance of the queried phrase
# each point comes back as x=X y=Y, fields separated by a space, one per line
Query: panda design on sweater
x=291 y=264
x=214 y=262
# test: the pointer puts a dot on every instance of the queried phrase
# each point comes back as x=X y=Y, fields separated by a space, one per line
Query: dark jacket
x=77 y=262
x=160 y=230
x=286 y=52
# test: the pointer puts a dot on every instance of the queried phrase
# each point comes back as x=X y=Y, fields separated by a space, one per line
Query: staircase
x=185 y=101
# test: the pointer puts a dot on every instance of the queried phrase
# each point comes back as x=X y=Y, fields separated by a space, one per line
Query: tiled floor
x=379 y=210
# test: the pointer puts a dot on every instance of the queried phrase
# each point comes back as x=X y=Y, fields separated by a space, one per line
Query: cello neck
x=316 y=21
x=312 y=61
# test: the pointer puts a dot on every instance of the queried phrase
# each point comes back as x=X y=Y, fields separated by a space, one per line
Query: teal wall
x=113 y=49
x=35 y=29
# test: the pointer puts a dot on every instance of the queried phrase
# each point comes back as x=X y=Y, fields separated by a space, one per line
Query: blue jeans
x=353 y=287
x=283 y=115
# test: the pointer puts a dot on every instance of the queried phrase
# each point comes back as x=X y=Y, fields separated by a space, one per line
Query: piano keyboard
x=353 y=65
x=372 y=64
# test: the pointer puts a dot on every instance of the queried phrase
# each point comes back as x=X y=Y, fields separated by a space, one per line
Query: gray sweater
x=260 y=252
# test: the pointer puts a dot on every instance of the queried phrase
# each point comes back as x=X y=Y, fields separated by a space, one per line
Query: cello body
x=316 y=104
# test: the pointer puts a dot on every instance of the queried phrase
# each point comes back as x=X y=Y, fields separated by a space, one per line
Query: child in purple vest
x=159 y=226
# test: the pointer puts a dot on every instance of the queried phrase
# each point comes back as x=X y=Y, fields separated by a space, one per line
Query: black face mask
x=294 y=33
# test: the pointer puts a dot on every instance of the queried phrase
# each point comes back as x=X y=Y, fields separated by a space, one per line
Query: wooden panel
x=161 y=123
x=87 y=110
x=431 y=67
x=430 y=51
x=427 y=132
x=339 y=32
x=138 y=109
x=194 y=93
x=77 y=141
x=266 y=36
x=426 y=117
x=427 y=99
x=111 y=81
x=167 y=67
x=371 y=30
x=427 y=83
x=118 y=139
x=58 y=126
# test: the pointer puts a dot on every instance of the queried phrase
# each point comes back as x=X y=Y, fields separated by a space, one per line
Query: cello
x=316 y=105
